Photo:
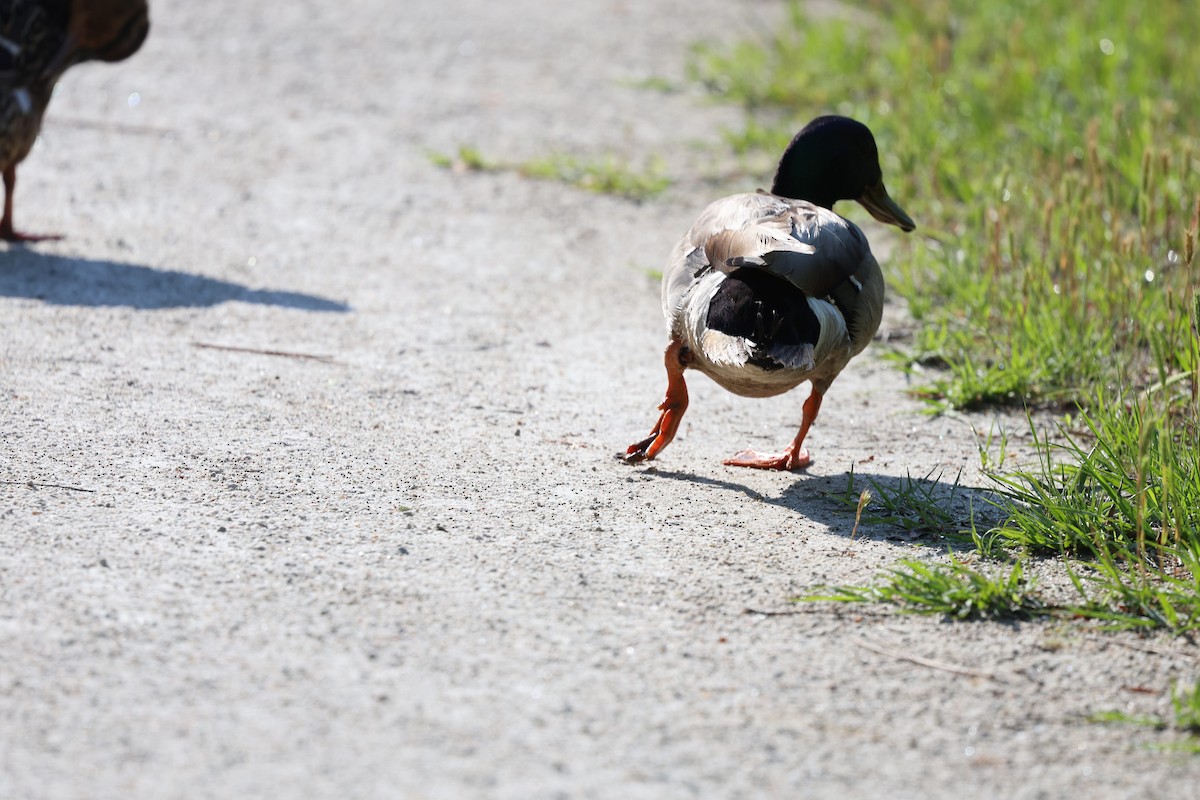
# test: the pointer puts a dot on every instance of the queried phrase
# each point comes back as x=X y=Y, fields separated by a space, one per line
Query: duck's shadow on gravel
x=69 y=281
x=900 y=508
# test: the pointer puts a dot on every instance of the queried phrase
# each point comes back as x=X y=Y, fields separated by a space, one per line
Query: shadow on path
x=68 y=281
x=823 y=499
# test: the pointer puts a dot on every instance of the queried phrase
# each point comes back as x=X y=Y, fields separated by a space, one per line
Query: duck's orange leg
x=795 y=456
x=6 y=224
x=676 y=359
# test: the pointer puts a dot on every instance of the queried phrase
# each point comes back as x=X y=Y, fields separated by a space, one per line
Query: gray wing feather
x=811 y=247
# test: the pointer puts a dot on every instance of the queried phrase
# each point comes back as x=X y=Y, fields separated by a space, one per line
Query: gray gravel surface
x=308 y=487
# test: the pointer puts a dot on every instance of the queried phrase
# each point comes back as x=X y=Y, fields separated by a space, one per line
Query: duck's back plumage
x=768 y=292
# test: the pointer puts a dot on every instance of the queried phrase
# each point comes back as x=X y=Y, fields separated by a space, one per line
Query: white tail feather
x=726 y=350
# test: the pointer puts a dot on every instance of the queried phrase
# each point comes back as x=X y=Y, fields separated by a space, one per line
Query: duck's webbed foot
x=796 y=455
x=787 y=460
x=673 y=406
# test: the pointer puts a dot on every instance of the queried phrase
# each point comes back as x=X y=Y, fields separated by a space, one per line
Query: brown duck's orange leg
x=676 y=359
x=6 y=224
x=795 y=456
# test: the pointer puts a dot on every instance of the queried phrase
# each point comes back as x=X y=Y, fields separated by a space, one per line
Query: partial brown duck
x=39 y=41
x=769 y=290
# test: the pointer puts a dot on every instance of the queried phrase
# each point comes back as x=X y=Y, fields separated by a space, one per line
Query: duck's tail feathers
x=794 y=356
x=833 y=327
x=725 y=350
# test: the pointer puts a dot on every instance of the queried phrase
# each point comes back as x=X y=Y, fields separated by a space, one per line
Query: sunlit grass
x=935 y=509
x=1128 y=478
x=954 y=590
x=1184 y=718
x=1114 y=497
x=606 y=175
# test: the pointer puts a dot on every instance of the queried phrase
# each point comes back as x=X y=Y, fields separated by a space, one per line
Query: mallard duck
x=769 y=290
x=39 y=41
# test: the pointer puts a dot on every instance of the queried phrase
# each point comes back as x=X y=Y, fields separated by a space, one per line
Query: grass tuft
x=608 y=175
x=1130 y=478
x=1184 y=719
x=928 y=506
x=954 y=590
x=605 y=176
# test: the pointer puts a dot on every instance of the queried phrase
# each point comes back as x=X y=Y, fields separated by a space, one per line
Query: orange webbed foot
x=664 y=430
x=636 y=452
x=673 y=407
x=786 y=461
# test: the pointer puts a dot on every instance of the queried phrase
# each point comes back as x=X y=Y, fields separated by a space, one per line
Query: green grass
x=1186 y=705
x=1184 y=719
x=1116 y=500
x=954 y=590
x=1128 y=479
x=1118 y=497
x=1050 y=154
x=930 y=508
x=607 y=175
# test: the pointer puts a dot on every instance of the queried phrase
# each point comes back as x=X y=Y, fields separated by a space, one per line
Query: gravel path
x=308 y=487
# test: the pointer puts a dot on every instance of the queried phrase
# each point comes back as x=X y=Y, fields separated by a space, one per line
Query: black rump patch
x=768 y=310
